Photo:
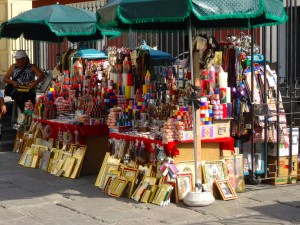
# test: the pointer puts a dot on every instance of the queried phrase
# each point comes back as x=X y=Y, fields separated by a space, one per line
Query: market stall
x=169 y=126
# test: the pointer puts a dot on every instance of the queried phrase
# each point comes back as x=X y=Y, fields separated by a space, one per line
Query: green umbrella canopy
x=173 y=15
x=53 y=23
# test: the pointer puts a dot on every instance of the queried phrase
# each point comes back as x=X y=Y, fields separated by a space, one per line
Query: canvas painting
x=212 y=171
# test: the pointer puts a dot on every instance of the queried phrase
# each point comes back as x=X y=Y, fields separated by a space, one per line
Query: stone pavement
x=32 y=196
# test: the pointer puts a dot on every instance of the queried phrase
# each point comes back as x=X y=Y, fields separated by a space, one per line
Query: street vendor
x=21 y=76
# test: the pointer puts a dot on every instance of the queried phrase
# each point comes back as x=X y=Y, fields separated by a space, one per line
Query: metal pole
x=252 y=105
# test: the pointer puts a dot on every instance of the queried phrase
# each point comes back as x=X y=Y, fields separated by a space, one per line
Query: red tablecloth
x=225 y=143
x=83 y=130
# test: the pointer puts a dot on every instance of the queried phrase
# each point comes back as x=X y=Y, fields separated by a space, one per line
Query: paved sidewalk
x=32 y=196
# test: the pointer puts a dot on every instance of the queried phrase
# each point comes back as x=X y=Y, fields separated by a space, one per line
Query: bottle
x=147 y=78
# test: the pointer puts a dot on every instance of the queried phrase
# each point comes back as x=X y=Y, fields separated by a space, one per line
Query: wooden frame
x=184 y=184
x=225 y=189
x=118 y=187
x=235 y=171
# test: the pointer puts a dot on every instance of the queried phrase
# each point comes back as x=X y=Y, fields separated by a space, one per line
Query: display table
x=94 y=136
x=173 y=148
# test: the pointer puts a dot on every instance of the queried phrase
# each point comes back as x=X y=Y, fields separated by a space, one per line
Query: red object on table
x=83 y=130
x=226 y=143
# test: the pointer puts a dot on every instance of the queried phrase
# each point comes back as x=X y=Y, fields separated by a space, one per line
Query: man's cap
x=20 y=54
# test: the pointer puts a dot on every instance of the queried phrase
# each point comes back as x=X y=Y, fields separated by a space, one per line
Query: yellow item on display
x=127 y=91
x=145 y=89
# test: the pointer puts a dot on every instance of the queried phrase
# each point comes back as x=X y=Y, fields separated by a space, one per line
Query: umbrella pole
x=193 y=108
x=196 y=197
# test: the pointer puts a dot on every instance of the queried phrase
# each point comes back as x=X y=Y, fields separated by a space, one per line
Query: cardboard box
x=207 y=131
x=222 y=128
x=283 y=176
x=188 y=135
x=186 y=153
x=209 y=151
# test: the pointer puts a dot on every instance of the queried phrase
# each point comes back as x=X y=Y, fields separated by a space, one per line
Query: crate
x=222 y=128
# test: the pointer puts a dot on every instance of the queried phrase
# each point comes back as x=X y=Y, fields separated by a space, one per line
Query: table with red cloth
x=94 y=136
x=226 y=143
x=83 y=130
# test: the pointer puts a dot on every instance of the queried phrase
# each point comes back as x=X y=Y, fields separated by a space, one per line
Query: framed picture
x=28 y=160
x=57 y=166
x=130 y=172
x=78 y=153
x=129 y=187
x=225 y=189
x=139 y=191
x=189 y=167
x=68 y=166
x=45 y=160
x=212 y=171
x=161 y=194
x=107 y=184
x=118 y=187
x=16 y=145
x=235 y=171
x=184 y=184
x=150 y=180
x=153 y=189
x=24 y=154
x=145 y=170
x=110 y=169
x=35 y=161
x=146 y=196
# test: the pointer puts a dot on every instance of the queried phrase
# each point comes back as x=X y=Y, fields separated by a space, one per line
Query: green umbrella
x=174 y=15
x=183 y=14
x=53 y=23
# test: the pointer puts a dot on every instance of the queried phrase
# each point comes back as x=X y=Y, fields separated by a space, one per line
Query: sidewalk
x=32 y=196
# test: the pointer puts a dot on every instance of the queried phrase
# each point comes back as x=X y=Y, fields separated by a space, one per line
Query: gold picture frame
x=130 y=172
x=234 y=166
x=225 y=189
x=118 y=187
x=110 y=169
x=212 y=171
x=146 y=196
x=68 y=166
x=35 y=161
x=107 y=184
x=27 y=151
x=17 y=144
x=28 y=160
x=139 y=191
x=161 y=194
x=129 y=187
x=78 y=153
x=184 y=184
x=150 y=180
